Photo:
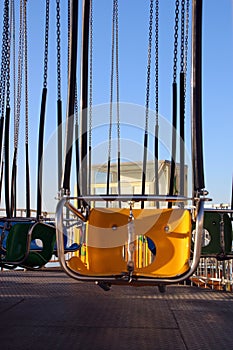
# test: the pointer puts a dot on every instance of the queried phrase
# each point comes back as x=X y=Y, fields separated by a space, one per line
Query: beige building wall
x=131 y=178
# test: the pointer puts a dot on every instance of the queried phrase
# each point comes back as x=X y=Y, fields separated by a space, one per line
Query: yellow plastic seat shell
x=107 y=233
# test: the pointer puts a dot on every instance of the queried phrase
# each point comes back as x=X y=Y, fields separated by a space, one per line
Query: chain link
x=12 y=30
x=3 y=59
x=182 y=36
x=149 y=65
x=186 y=39
x=117 y=76
x=90 y=73
x=76 y=104
x=19 y=78
x=114 y=64
x=58 y=49
x=176 y=41
x=46 y=44
x=157 y=61
x=111 y=82
x=7 y=59
x=68 y=38
x=186 y=48
x=26 y=71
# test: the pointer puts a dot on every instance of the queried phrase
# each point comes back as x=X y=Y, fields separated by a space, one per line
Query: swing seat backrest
x=213 y=244
x=170 y=230
x=107 y=234
x=5 y=228
x=16 y=245
x=47 y=234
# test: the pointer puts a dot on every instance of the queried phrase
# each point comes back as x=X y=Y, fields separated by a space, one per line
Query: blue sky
x=133 y=38
x=218 y=97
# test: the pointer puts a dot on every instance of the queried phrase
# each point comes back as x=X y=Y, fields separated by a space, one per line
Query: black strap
x=71 y=95
x=28 y=206
x=114 y=69
x=174 y=105
x=7 y=131
x=197 y=140
x=13 y=183
x=40 y=153
x=27 y=169
x=42 y=118
x=59 y=100
x=147 y=104
x=173 y=150
x=232 y=199
x=156 y=137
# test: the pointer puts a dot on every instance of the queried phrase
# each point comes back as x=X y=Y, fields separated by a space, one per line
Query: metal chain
x=3 y=58
x=114 y=64
x=90 y=72
x=117 y=76
x=90 y=93
x=111 y=82
x=68 y=38
x=186 y=43
x=149 y=65
x=68 y=59
x=19 y=79
x=156 y=141
x=26 y=71
x=182 y=36
x=76 y=104
x=58 y=49
x=176 y=41
x=157 y=61
x=118 y=105
x=2 y=81
x=2 y=76
x=46 y=44
x=143 y=182
x=7 y=59
x=12 y=30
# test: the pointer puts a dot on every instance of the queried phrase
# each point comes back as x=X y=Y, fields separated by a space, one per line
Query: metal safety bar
x=217 y=210
x=131 y=198
x=119 y=278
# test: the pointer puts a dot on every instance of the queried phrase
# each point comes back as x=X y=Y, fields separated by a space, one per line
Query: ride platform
x=49 y=310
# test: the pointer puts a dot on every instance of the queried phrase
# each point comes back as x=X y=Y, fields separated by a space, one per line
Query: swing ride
x=131 y=238
x=111 y=234
x=20 y=236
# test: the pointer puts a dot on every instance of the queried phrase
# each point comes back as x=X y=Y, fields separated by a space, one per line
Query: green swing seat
x=217 y=235
x=18 y=250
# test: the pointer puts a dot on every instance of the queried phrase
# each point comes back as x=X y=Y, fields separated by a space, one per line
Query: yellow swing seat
x=106 y=239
